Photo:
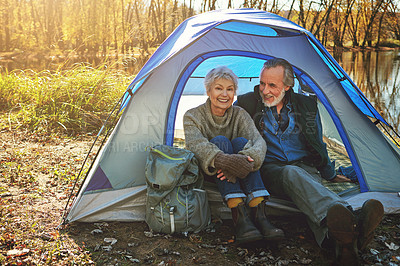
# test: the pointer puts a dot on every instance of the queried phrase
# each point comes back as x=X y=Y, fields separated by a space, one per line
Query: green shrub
x=72 y=101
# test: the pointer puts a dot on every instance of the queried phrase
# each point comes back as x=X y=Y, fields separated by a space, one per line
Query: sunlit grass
x=70 y=101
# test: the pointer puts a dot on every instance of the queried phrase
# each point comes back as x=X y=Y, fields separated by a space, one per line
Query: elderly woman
x=231 y=150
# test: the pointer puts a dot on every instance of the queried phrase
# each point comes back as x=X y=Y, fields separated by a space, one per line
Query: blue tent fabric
x=204 y=22
x=99 y=181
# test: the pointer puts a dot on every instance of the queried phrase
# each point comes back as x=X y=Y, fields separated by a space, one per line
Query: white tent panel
x=390 y=201
x=114 y=205
x=142 y=125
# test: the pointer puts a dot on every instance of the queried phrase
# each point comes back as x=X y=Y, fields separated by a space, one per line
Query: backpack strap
x=172 y=218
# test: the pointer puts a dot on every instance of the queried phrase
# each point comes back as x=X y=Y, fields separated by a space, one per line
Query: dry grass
x=68 y=101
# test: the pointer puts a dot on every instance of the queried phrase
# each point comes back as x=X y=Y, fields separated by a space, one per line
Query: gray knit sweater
x=201 y=125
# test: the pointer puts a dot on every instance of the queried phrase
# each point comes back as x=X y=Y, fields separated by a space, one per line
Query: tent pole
x=66 y=212
x=390 y=135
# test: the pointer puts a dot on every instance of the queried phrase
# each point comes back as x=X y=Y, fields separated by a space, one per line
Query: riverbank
x=335 y=50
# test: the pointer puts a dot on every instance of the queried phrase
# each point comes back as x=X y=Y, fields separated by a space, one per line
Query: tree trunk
x=327 y=14
x=349 y=7
x=115 y=31
x=174 y=10
x=123 y=45
x=315 y=19
x=393 y=20
x=301 y=13
x=7 y=35
x=164 y=23
x=190 y=8
x=368 y=31
x=380 y=25
x=291 y=9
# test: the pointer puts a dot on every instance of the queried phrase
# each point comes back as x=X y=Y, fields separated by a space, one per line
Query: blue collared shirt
x=285 y=143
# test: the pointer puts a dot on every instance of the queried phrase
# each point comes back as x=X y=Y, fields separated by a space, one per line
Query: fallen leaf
x=107 y=248
x=392 y=246
x=46 y=236
x=374 y=251
x=110 y=240
x=96 y=231
x=17 y=252
x=148 y=234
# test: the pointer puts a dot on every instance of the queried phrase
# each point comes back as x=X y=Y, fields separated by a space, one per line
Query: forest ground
x=35 y=182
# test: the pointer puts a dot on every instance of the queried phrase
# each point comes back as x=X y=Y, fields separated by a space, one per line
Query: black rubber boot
x=259 y=217
x=245 y=230
x=368 y=219
x=342 y=228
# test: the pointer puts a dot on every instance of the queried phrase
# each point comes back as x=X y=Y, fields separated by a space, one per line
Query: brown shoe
x=369 y=218
x=245 y=231
x=259 y=218
x=342 y=228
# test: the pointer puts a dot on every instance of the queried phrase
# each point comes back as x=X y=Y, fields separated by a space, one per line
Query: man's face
x=272 y=89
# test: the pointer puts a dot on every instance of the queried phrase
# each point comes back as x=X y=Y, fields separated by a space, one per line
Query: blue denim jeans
x=302 y=184
x=251 y=186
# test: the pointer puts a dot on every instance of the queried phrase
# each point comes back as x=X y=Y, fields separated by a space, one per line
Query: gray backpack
x=176 y=200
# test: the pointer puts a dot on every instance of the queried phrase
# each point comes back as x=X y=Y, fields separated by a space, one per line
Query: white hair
x=221 y=72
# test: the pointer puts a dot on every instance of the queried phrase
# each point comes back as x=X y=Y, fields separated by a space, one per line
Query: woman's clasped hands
x=231 y=166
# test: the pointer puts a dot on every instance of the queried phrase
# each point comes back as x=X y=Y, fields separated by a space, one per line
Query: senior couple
x=261 y=142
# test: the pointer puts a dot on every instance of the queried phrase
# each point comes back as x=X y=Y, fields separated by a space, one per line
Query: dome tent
x=242 y=39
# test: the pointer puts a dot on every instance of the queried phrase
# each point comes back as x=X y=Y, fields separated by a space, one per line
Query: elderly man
x=297 y=158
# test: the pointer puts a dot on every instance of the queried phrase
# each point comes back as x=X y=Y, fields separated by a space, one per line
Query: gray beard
x=276 y=101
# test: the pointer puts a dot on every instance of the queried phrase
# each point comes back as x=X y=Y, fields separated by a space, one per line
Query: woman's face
x=221 y=94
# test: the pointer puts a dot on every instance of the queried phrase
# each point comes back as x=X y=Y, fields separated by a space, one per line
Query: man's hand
x=340 y=179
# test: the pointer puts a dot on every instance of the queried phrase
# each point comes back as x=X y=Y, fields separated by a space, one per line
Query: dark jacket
x=305 y=109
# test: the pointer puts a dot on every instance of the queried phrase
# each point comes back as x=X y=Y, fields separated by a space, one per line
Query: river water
x=376 y=73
